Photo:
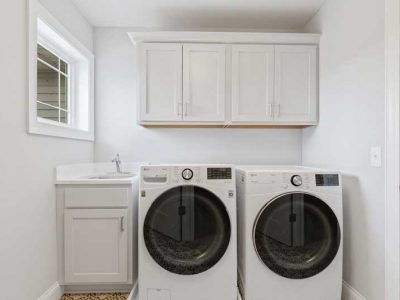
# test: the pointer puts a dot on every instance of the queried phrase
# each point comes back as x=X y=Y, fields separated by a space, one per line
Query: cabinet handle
x=278 y=110
x=188 y=98
x=180 y=109
x=270 y=110
x=122 y=224
x=185 y=109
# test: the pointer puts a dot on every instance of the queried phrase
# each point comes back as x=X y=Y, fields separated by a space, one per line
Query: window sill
x=60 y=131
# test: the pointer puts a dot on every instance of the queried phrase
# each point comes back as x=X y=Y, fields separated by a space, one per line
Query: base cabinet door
x=204 y=82
x=96 y=245
x=295 y=84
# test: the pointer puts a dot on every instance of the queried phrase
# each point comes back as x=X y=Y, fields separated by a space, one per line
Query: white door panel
x=96 y=245
x=252 y=83
x=204 y=82
x=295 y=83
x=161 y=82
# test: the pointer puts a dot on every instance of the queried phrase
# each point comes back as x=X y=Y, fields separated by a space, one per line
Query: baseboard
x=54 y=292
x=350 y=293
x=134 y=292
x=98 y=288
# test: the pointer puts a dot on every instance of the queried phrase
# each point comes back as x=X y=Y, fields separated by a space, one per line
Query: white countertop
x=80 y=173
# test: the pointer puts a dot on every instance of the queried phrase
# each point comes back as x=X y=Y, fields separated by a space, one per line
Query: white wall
x=117 y=131
x=27 y=194
x=352 y=120
x=67 y=13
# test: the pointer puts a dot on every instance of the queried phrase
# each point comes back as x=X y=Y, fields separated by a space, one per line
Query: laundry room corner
x=202 y=150
x=352 y=68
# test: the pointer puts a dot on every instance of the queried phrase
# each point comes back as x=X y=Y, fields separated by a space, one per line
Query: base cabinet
x=96 y=245
x=97 y=236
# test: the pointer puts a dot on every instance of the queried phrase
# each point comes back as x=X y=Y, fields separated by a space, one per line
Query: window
x=53 y=101
x=60 y=79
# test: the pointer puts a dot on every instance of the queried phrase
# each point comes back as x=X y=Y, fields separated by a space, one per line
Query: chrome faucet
x=117 y=162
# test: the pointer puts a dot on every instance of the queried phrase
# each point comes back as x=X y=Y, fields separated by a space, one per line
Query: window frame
x=47 y=31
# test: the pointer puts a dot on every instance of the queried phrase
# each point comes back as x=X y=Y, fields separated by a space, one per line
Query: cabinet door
x=296 y=83
x=252 y=83
x=204 y=82
x=96 y=245
x=160 y=82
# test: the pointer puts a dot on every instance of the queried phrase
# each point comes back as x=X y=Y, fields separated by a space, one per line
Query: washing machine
x=187 y=233
x=290 y=226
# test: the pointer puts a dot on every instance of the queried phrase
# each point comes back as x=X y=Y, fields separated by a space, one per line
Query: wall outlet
x=376 y=157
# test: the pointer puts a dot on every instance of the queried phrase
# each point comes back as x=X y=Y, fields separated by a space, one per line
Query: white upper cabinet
x=160 y=83
x=204 y=82
x=252 y=83
x=223 y=79
x=295 y=84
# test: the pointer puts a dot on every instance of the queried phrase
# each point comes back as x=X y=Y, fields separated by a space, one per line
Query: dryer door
x=187 y=230
x=296 y=235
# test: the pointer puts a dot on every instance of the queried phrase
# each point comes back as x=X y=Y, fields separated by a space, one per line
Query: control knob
x=296 y=180
x=187 y=174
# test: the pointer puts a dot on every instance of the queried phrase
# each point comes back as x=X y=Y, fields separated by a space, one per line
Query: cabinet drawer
x=96 y=197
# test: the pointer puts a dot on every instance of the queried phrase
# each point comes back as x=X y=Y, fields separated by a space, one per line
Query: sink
x=111 y=176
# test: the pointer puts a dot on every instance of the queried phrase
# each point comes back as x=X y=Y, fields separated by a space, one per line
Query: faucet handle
x=117 y=162
x=116 y=158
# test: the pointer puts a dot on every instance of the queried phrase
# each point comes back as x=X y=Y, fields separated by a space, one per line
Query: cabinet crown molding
x=224 y=37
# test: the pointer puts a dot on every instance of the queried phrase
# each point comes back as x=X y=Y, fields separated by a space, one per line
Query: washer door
x=297 y=235
x=187 y=230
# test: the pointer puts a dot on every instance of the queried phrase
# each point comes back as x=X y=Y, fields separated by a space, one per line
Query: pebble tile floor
x=95 y=296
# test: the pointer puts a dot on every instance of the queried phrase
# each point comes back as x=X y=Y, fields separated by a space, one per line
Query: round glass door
x=187 y=230
x=297 y=235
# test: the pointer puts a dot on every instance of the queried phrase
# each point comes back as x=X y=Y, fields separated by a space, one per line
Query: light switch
x=376 y=157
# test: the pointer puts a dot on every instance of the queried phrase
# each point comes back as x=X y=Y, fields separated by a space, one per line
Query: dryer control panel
x=327 y=179
x=260 y=182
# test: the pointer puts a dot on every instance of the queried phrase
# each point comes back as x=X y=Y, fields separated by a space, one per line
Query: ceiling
x=201 y=14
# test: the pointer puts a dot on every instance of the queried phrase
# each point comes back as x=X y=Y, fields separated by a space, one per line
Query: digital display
x=327 y=179
x=219 y=173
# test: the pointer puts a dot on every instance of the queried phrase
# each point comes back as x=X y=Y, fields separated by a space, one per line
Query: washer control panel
x=187 y=174
x=296 y=180
x=197 y=175
x=153 y=175
x=183 y=174
x=219 y=173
